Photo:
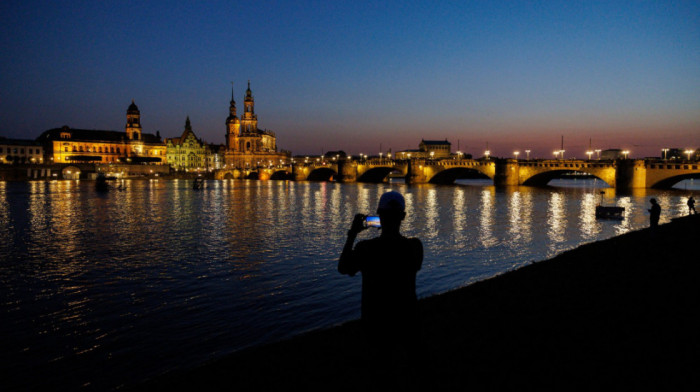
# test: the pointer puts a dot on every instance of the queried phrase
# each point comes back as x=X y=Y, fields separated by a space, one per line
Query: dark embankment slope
x=621 y=313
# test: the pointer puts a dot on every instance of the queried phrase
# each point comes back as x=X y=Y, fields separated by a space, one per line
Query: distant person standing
x=654 y=213
x=691 y=206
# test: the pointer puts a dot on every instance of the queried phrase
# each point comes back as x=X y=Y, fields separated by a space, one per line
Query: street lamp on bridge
x=625 y=153
x=664 y=150
x=516 y=153
x=487 y=153
x=528 y=154
x=598 y=152
x=689 y=152
x=589 y=153
x=556 y=154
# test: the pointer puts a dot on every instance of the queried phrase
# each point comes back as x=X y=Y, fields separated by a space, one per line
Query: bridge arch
x=377 y=174
x=322 y=174
x=543 y=178
x=71 y=173
x=669 y=182
x=448 y=176
x=228 y=174
x=280 y=175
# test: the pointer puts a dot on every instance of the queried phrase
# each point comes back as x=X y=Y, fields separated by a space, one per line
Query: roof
x=94 y=135
x=180 y=140
x=19 y=142
x=132 y=107
x=435 y=142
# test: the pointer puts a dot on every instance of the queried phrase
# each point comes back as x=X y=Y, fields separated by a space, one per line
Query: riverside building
x=70 y=145
x=435 y=149
x=19 y=151
x=189 y=153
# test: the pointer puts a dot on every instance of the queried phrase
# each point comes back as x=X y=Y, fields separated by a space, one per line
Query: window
x=65 y=149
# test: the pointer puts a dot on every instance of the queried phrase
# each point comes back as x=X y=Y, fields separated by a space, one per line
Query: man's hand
x=358 y=224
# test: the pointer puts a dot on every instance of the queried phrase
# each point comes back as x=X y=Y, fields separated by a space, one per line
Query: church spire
x=232 y=107
x=249 y=102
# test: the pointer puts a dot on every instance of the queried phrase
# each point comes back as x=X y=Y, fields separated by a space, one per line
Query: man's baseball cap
x=392 y=201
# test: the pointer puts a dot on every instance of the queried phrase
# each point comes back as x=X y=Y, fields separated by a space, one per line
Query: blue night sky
x=330 y=75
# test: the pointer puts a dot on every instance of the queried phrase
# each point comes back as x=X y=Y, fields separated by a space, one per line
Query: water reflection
x=589 y=225
x=556 y=221
x=486 y=222
x=162 y=276
x=459 y=225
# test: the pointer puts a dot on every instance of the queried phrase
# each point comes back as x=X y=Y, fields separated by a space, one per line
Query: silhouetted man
x=388 y=264
x=654 y=213
x=691 y=206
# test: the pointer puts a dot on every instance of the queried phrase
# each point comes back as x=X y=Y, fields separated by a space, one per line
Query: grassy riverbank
x=620 y=313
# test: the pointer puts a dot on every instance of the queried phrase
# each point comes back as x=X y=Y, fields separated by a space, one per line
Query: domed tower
x=133 y=122
x=233 y=126
x=249 y=122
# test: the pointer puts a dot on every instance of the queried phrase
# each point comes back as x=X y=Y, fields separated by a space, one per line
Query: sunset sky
x=330 y=75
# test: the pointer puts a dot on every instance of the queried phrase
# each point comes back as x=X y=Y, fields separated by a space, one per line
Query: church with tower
x=71 y=145
x=247 y=146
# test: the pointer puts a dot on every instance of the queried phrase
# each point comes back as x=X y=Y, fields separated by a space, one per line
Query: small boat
x=198 y=184
x=101 y=183
x=602 y=212
x=608 y=212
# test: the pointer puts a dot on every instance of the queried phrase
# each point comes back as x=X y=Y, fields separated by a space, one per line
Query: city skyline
x=356 y=76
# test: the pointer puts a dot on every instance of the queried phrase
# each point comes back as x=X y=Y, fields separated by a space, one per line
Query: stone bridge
x=625 y=173
x=621 y=174
x=379 y=170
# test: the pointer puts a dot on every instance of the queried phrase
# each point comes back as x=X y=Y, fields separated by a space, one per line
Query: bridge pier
x=415 y=175
x=630 y=173
x=347 y=171
x=300 y=172
x=507 y=172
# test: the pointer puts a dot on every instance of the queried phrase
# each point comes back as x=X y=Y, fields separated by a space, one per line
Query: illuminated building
x=69 y=145
x=247 y=146
x=19 y=151
x=435 y=149
x=186 y=152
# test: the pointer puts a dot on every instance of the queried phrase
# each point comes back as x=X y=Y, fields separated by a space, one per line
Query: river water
x=105 y=290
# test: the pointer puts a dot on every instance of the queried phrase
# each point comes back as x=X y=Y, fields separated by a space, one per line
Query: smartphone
x=372 y=221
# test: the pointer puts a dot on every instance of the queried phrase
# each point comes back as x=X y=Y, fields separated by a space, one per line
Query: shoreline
x=620 y=312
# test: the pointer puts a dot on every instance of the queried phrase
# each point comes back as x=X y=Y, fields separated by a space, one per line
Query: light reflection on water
x=161 y=276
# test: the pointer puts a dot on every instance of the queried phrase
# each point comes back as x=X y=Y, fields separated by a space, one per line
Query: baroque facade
x=190 y=153
x=247 y=146
x=69 y=145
